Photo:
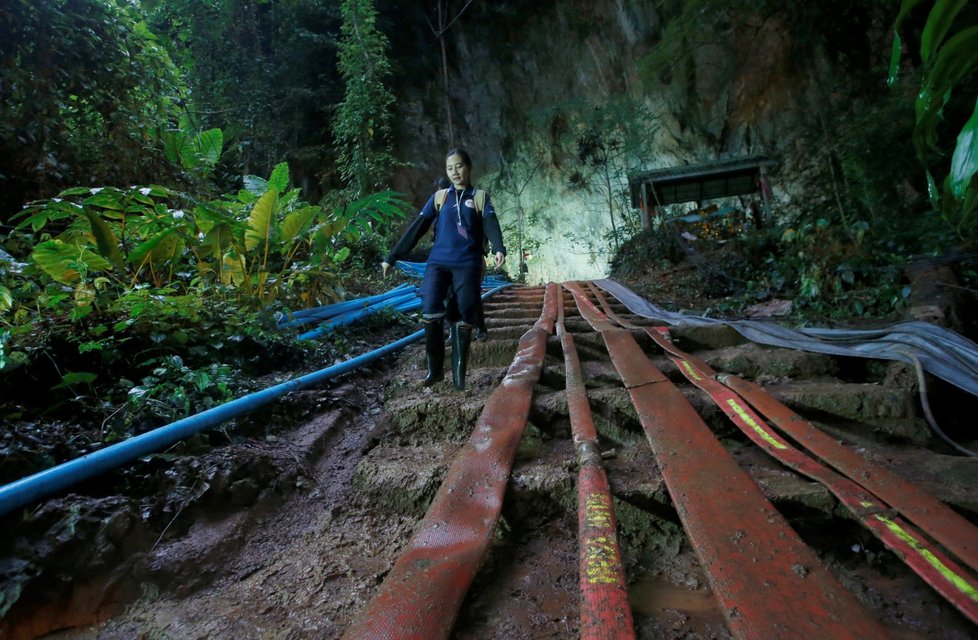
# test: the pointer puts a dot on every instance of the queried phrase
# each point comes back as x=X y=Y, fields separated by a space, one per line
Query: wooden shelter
x=701 y=182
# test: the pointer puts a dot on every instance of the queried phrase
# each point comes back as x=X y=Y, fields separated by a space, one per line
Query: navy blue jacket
x=460 y=231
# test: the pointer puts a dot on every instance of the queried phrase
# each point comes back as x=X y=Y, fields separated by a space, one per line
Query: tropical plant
x=79 y=84
x=187 y=146
x=949 y=53
x=113 y=283
x=261 y=242
x=362 y=123
x=265 y=72
x=286 y=243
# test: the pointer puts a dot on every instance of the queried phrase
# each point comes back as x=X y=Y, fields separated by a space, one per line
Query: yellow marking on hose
x=693 y=373
x=600 y=561
x=597 y=511
x=771 y=440
x=960 y=583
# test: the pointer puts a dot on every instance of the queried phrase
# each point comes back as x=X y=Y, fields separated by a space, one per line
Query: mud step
x=441 y=417
x=692 y=338
x=871 y=407
x=403 y=480
x=758 y=362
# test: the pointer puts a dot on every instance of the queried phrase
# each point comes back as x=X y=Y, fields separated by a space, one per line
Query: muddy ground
x=288 y=534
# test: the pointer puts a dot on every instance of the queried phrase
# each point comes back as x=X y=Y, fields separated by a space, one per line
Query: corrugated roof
x=701 y=170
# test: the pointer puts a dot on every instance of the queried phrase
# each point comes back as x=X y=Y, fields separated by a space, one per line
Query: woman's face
x=458 y=172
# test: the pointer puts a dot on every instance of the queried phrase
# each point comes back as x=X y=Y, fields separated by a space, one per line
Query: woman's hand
x=500 y=259
x=384 y=268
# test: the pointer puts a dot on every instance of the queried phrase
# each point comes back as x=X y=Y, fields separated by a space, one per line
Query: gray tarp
x=941 y=352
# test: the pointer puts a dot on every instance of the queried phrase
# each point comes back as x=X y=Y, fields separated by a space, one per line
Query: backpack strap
x=440 y=196
x=480 y=199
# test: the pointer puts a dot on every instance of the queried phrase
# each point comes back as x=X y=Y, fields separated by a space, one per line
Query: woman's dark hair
x=462 y=153
x=441 y=183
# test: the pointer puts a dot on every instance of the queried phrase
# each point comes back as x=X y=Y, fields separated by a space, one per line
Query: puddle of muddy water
x=650 y=597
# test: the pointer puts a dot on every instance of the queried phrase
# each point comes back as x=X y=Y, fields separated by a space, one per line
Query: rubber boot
x=462 y=339
x=434 y=350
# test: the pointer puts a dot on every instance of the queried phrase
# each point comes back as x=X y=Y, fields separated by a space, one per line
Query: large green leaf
x=210 y=146
x=260 y=221
x=76 y=377
x=280 y=177
x=939 y=21
x=217 y=240
x=212 y=215
x=170 y=248
x=255 y=185
x=955 y=60
x=143 y=252
x=964 y=161
x=75 y=191
x=105 y=239
x=234 y=269
x=65 y=262
x=178 y=147
x=38 y=215
x=106 y=198
x=295 y=224
x=905 y=8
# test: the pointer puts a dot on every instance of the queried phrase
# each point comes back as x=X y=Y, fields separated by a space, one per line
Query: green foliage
x=173 y=391
x=81 y=82
x=362 y=123
x=125 y=279
x=262 y=71
x=262 y=242
x=194 y=150
x=948 y=47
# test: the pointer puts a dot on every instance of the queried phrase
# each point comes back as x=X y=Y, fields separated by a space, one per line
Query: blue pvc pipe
x=352 y=316
x=315 y=310
x=416 y=270
x=27 y=490
x=409 y=303
x=318 y=314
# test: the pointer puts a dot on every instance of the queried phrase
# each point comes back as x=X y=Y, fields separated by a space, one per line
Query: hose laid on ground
x=605 y=613
x=940 y=351
x=403 y=302
x=769 y=583
x=421 y=595
x=318 y=314
x=885 y=519
x=928 y=414
x=27 y=490
x=407 y=298
x=416 y=270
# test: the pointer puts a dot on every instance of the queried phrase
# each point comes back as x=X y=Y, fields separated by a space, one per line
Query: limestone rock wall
x=512 y=70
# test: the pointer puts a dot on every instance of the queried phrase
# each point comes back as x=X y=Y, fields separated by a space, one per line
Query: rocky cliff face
x=524 y=79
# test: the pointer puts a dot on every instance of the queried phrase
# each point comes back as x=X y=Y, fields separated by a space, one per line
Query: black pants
x=463 y=282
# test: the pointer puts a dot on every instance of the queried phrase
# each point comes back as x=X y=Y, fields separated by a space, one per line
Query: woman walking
x=463 y=217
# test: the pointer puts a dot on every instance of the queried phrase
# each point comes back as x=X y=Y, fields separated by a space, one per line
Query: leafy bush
x=81 y=82
x=120 y=281
x=947 y=51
